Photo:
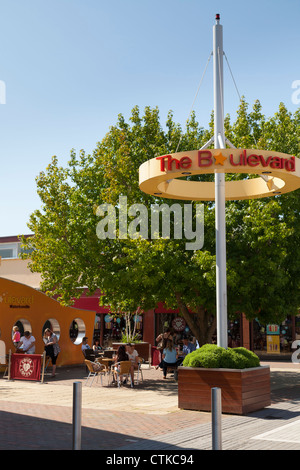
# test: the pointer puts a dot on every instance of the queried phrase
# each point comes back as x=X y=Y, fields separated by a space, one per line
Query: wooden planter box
x=242 y=390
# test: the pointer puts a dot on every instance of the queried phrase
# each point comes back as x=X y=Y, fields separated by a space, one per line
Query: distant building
x=14 y=268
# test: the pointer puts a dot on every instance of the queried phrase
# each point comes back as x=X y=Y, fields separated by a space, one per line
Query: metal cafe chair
x=139 y=371
x=121 y=368
x=105 y=364
x=89 y=354
x=93 y=372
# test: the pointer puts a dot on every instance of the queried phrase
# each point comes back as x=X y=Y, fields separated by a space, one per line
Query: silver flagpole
x=219 y=143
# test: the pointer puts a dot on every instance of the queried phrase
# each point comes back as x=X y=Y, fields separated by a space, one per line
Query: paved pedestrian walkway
x=39 y=416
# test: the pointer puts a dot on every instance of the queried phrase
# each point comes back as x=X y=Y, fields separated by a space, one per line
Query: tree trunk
x=201 y=323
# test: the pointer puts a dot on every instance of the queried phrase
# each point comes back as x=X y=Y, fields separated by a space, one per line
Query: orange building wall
x=20 y=302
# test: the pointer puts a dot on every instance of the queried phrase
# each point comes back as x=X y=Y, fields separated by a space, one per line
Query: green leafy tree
x=262 y=235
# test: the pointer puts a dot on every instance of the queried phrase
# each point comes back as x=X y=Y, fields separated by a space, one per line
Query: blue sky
x=71 y=66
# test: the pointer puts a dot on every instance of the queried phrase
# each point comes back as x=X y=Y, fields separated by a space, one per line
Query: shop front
x=275 y=339
x=261 y=338
x=108 y=327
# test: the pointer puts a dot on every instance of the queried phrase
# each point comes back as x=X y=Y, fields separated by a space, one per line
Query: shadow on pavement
x=21 y=432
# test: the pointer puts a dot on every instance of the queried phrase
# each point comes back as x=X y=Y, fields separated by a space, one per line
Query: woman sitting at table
x=119 y=357
x=96 y=347
x=169 y=357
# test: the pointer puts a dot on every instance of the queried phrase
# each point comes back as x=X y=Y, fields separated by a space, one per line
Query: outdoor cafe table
x=109 y=361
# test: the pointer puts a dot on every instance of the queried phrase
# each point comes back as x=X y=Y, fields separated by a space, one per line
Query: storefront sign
x=179 y=324
x=273 y=329
x=25 y=366
x=277 y=172
x=16 y=301
x=207 y=159
x=273 y=344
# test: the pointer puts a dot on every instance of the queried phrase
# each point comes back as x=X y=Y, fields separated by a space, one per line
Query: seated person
x=85 y=346
x=96 y=347
x=121 y=356
x=169 y=357
x=28 y=342
x=187 y=348
x=133 y=357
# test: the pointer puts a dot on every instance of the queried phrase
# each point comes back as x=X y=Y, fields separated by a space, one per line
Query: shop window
x=77 y=331
x=23 y=325
x=286 y=335
x=53 y=325
x=178 y=326
x=259 y=336
x=297 y=327
x=113 y=329
x=97 y=328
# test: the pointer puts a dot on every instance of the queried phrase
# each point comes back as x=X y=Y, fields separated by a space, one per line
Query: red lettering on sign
x=263 y=161
x=276 y=162
x=253 y=160
x=232 y=162
x=167 y=162
x=162 y=161
x=290 y=164
x=206 y=156
x=242 y=160
x=185 y=162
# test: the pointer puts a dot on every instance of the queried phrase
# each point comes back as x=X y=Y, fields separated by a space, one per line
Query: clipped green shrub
x=195 y=361
x=212 y=356
x=250 y=355
x=188 y=358
x=232 y=360
x=210 y=360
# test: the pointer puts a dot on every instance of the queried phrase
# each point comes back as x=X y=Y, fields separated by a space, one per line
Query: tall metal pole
x=220 y=223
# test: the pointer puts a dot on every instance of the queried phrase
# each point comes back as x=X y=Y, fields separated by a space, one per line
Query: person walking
x=52 y=348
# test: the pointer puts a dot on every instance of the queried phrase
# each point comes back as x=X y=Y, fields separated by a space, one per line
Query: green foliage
x=211 y=356
x=253 y=359
x=130 y=339
x=263 y=235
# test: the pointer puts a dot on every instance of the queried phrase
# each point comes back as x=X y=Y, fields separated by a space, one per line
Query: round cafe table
x=108 y=361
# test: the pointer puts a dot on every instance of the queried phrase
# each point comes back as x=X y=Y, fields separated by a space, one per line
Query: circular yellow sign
x=278 y=173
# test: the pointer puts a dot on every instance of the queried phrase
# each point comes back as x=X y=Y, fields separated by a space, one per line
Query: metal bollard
x=77 y=401
x=216 y=416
